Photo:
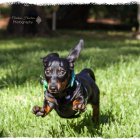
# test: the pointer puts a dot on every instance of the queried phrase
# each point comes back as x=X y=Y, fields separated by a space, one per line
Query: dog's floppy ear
x=74 y=54
x=48 y=57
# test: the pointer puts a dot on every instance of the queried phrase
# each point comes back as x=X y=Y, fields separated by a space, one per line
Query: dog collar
x=72 y=79
x=44 y=83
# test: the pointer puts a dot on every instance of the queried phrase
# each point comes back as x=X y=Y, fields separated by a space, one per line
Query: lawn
x=115 y=59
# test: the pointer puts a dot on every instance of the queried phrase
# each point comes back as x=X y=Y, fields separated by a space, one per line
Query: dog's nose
x=53 y=88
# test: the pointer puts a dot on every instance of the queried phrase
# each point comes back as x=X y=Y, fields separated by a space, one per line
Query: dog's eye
x=61 y=72
x=47 y=72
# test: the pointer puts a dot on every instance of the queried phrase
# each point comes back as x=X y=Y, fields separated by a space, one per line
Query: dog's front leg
x=43 y=111
x=79 y=104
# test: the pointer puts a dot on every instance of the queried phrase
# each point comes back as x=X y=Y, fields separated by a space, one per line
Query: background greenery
x=115 y=59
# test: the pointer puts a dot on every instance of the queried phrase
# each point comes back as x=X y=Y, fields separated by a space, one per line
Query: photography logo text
x=25 y=20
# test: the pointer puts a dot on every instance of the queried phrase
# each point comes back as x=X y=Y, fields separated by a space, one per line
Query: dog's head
x=58 y=71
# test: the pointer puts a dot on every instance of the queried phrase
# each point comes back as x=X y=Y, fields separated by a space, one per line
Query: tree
x=28 y=19
x=72 y=16
x=138 y=17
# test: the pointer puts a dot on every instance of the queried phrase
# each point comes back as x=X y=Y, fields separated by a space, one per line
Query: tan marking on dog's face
x=62 y=85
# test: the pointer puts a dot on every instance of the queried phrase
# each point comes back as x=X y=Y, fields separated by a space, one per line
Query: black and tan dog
x=68 y=93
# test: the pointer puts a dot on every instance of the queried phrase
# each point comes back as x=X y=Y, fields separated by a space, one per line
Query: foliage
x=115 y=58
x=125 y=13
x=5 y=11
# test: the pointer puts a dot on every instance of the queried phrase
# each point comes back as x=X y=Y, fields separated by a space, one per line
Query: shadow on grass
x=29 y=52
x=93 y=129
x=3 y=134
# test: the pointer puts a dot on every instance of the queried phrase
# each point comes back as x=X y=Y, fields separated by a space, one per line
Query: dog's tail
x=90 y=72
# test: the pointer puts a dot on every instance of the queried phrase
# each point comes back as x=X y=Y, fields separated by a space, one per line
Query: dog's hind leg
x=95 y=102
x=96 y=113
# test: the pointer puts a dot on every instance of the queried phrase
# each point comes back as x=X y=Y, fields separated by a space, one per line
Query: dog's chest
x=64 y=107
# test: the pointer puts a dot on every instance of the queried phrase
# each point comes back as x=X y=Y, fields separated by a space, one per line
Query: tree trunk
x=54 y=21
x=28 y=20
x=138 y=17
x=73 y=16
x=17 y=11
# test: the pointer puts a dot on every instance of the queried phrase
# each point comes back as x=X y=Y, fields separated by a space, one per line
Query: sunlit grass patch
x=115 y=63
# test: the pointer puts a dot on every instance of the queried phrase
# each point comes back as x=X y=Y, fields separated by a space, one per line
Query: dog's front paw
x=38 y=111
x=78 y=106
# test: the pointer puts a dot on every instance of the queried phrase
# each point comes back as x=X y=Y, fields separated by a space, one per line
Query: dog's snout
x=52 y=87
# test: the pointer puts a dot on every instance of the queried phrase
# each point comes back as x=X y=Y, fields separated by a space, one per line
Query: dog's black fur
x=67 y=98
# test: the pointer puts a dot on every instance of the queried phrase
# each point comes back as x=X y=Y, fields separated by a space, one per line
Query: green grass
x=115 y=59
